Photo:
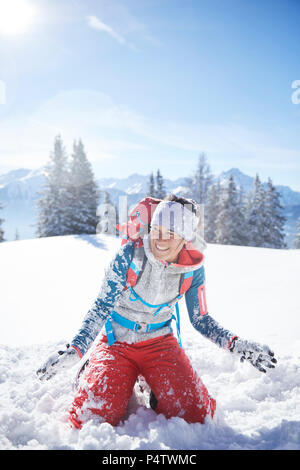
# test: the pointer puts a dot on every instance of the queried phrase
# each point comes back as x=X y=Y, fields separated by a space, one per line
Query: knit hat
x=177 y=218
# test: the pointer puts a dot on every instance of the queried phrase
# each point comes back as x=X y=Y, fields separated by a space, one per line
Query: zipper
x=165 y=263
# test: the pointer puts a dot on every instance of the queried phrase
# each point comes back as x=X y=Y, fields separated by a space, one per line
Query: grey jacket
x=158 y=282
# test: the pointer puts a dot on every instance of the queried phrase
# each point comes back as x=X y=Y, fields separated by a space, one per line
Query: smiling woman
x=16 y=16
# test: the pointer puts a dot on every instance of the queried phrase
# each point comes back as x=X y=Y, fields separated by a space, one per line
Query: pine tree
x=17 y=235
x=188 y=184
x=274 y=222
x=297 y=237
x=53 y=204
x=1 y=229
x=230 y=221
x=211 y=212
x=201 y=181
x=151 y=192
x=160 y=187
x=242 y=203
x=82 y=193
x=256 y=214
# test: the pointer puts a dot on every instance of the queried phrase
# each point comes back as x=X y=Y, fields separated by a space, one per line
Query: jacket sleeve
x=112 y=286
x=200 y=318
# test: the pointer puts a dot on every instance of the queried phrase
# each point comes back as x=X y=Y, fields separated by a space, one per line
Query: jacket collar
x=189 y=258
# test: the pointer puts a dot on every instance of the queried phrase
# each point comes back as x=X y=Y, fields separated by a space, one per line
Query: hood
x=189 y=259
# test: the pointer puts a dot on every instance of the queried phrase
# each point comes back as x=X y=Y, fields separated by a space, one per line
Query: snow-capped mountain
x=241 y=180
x=135 y=184
x=288 y=196
x=19 y=191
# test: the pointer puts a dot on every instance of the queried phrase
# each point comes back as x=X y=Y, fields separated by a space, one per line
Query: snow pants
x=108 y=381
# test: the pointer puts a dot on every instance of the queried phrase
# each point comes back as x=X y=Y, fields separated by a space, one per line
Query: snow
x=47 y=286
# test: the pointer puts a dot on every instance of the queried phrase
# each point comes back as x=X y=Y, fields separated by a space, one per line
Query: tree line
x=232 y=217
x=69 y=203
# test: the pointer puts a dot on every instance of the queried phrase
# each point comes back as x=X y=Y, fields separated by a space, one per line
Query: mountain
x=288 y=196
x=13 y=175
x=240 y=179
x=136 y=184
x=19 y=190
x=18 y=193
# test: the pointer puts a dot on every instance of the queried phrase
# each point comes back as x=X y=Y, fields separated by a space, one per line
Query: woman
x=139 y=340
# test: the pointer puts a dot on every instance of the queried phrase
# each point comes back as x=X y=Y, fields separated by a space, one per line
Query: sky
x=150 y=84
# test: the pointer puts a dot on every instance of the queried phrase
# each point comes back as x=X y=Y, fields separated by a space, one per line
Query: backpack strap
x=185 y=283
x=135 y=270
x=178 y=324
x=132 y=274
x=134 y=296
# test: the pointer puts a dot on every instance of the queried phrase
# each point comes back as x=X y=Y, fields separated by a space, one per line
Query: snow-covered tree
x=274 y=222
x=230 y=221
x=160 y=186
x=297 y=236
x=53 y=204
x=108 y=216
x=265 y=221
x=256 y=214
x=156 y=186
x=1 y=229
x=199 y=183
x=211 y=212
x=82 y=193
x=151 y=186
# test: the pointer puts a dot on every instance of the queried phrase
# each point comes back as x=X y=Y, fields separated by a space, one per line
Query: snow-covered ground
x=47 y=286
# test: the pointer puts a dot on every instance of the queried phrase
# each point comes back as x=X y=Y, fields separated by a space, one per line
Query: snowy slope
x=47 y=286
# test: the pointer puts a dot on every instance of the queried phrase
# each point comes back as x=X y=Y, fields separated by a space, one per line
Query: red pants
x=109 y=378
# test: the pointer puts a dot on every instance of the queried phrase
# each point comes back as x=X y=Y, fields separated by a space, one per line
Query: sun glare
x=16 y=16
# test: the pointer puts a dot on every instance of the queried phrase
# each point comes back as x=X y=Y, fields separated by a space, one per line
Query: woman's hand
x=57 y=362
x=258 y=355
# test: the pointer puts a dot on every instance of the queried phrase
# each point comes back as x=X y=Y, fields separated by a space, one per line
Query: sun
x=16 y=16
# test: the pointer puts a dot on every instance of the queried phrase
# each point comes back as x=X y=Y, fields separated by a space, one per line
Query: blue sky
x=150 y=84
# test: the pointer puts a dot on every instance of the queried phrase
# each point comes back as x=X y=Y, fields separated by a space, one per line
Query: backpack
x=139 y=220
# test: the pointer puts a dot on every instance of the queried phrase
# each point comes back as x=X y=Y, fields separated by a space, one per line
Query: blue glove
x=258 y=355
